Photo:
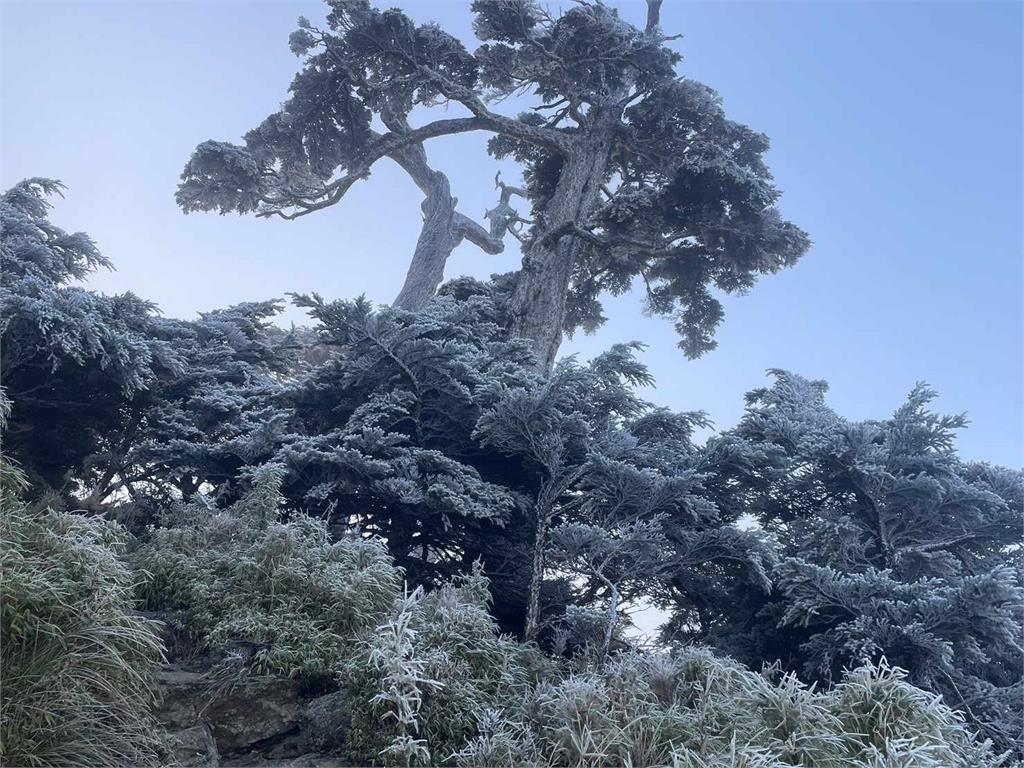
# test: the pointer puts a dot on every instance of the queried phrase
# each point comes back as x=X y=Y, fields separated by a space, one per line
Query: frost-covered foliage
x=692 y=708
x=76 y=662
x=688 y=202
x=110 y=400
x=443 y=688
x=425 y=676
x=285 y=485
x=279 y=592
x=890 y=545
x=63 y=346
x=623 y=487
x=437 y=684
x=216 y=415
x=381 y=434
x=432 y=430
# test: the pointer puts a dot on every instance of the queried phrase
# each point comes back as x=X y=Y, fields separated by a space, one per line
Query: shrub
x=431 y=671
x=243 y=577
x=435 y=683
x=697 y=710
x=76 y=662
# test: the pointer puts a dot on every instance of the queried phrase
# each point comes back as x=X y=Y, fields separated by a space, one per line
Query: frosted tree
x=892 y=546
x=220 y=411
x=624 y=488
x=328 y=123
x=109 y=399
x=632 y=173
x=549 y=425
x=618 y=556
x=380 y=435
x=70 y=360
x=709 y=566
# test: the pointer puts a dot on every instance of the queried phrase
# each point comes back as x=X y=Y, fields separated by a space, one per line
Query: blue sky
x=896 y=137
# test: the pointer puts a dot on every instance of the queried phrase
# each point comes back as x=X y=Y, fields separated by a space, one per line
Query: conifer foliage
x=160 y=406
x=890 y=547
x=632 y=172
x=394 y=500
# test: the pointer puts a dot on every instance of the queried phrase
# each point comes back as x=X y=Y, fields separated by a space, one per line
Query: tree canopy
x=633 y=174
x=797 y=538
x=889 y=544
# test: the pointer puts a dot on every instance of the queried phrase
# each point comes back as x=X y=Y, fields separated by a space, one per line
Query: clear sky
x=896 y=137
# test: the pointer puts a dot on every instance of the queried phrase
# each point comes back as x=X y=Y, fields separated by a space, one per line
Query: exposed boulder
x=325 y=722
x=256 y=712
x=236 y=718
x=250 y=721
x=194 y=746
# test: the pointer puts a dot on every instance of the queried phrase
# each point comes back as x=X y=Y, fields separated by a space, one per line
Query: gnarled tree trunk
x=438 y=238
x=539 y=301
x=444 y=228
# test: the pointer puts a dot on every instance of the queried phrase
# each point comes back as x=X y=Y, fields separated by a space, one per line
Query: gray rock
x=325 y=722
x=183 y=695
x=241 y=717
x=194 y=746
x=253 y=712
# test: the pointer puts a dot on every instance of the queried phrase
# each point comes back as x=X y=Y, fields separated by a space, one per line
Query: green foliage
x=75 y=660
x=245 y=578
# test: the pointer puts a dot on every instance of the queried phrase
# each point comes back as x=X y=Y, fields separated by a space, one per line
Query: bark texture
x=438 y=238
x=444 y=228
x=539 y=300
x=537 y=574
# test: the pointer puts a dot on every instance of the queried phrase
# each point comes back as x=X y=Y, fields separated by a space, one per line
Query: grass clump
x=422 y=681
x=694 y=709
x=282 y=589
x=436 y=684
x=76 y=661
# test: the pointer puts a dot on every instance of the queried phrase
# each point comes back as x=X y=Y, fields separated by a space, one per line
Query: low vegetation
x=77 y=661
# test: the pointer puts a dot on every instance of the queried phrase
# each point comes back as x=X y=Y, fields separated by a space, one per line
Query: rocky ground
x=252 y=721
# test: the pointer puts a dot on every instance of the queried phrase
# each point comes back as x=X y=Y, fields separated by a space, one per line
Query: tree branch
x=545 y=137
x=388 y=144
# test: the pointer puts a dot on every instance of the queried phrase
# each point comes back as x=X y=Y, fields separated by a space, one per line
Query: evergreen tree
x=631 y=172
x=380 y=435
x=220 y=411
x=710 y=565
x=891 y=547
x=110 y=400
x=72 y=361
x=622 y=489
x=550 y=425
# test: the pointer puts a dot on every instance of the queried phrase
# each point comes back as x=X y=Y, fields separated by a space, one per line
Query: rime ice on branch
x=632 y=172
